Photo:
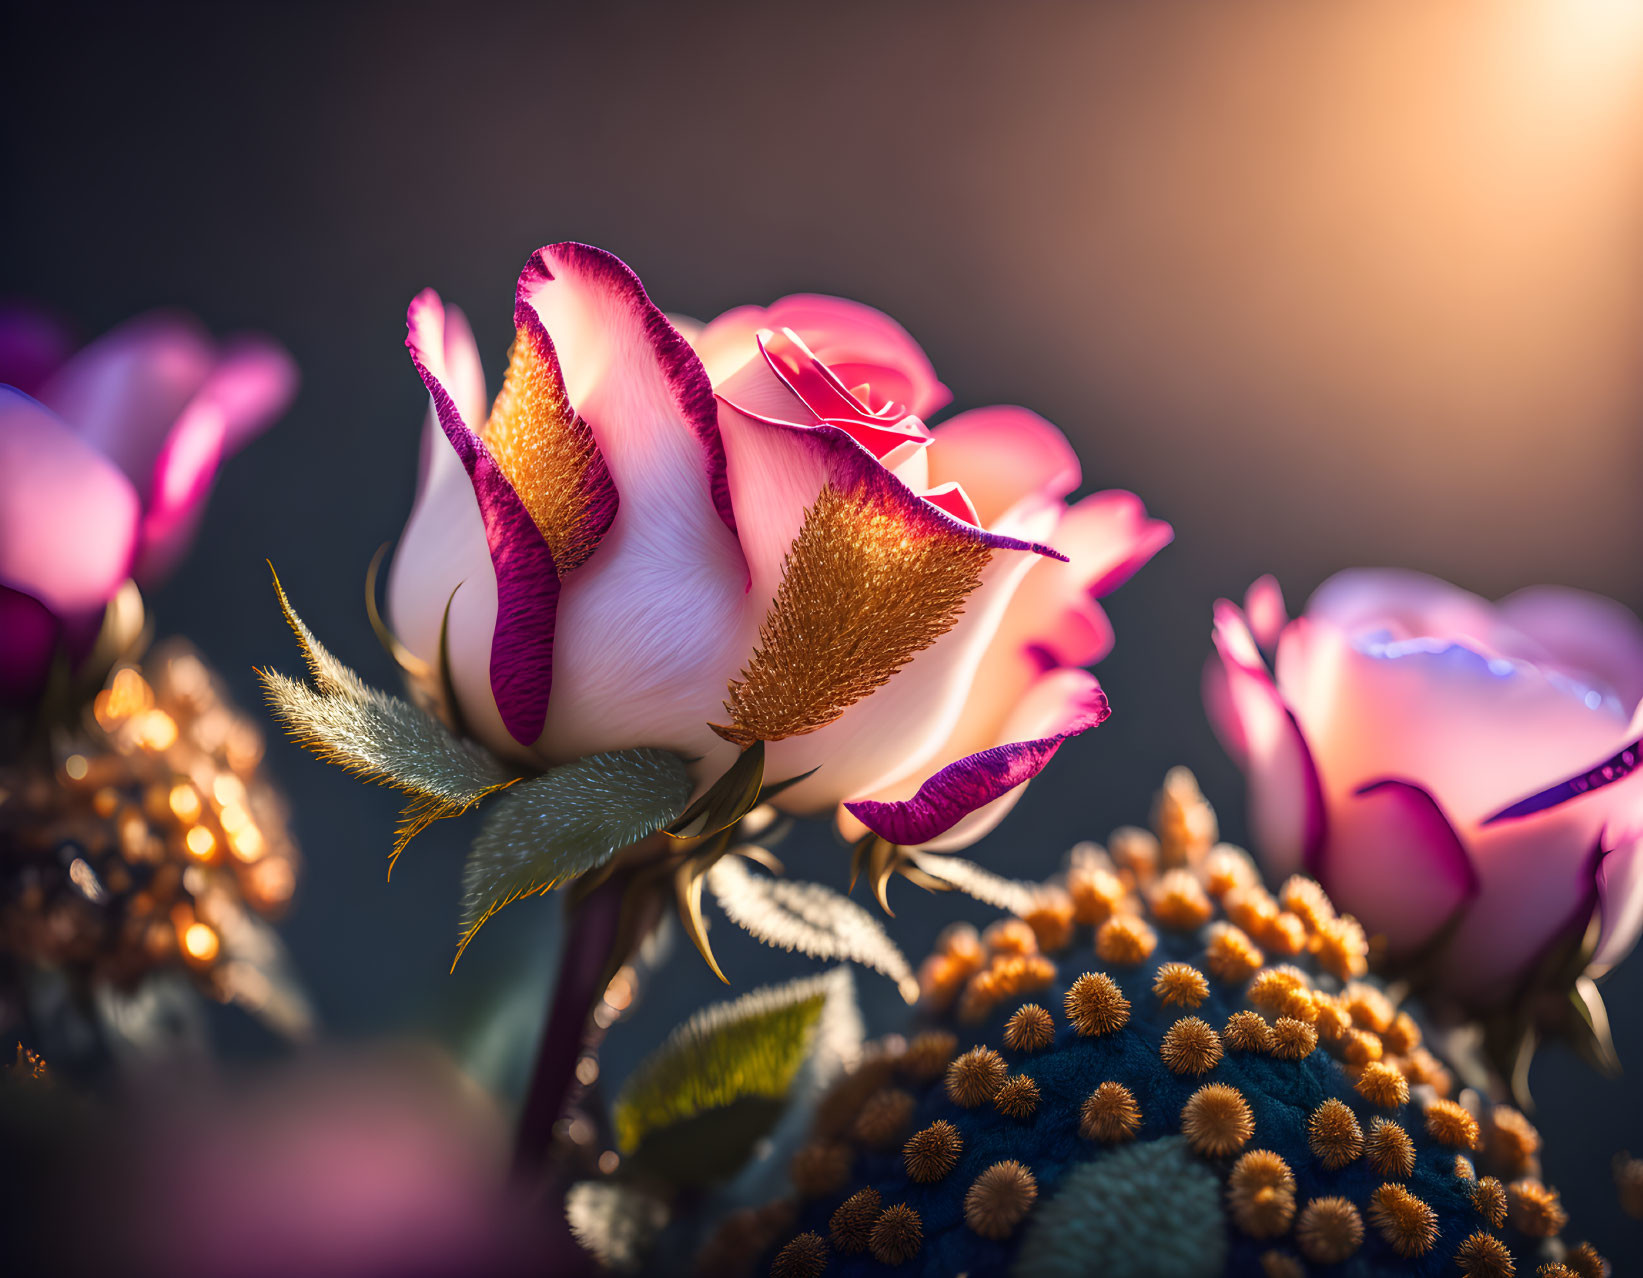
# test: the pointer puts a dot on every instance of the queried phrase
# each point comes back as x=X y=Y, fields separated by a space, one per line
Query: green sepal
x=727 y=800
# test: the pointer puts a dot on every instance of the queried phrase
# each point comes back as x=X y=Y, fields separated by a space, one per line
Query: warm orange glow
x=199 y=942
x=185 y=801
x=273 y=881
x=76 y=767
x=247 y=842
x=201 y=842
x=156 y=730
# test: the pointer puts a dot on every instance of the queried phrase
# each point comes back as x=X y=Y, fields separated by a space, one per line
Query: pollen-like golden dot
x=1383 y=1084
x=853 y=1221
x=1273 y=988
x=1409 y=1226
x=1534 y=1208
x=1250 y=907
x=804 y=1257
x=1010 y=936
x=1329 y=1230
x=975 y=1077
x=1135 y=851
x=1402 y=1036
x=928 y=1055
x=1029 y=1029
x=1464 y=1169
x=1017 y=1098
x=1230 y=955
x=1482 y=1255
x=1341 y=948
x=1227 y=868
x=1190 y=1046
x=1448 y=1123
x=1584 y=1259
x=999 y=1199
x=897 y=1235
x=1216 y=1120
x=1095 y=1006
x=200 y=942
x=1124 y=939
x=1292 y=1040
x=1420 y=1066
x=820 y=1168
x=1334 y=1134
x=1280 y=1264
x=1371 y=1009
x=1178 y=902
x=1286 y=934
x=884 y=1118
x=1489 y=1197
x=1095 y=893
x=1248 y=1032
x=1512 y=1140
x=1306 y=897
x=931 y=1153
x=1051 y=918
x=1359 y=1047
x=1334 y=1021
x=1389 y=1149
x=1180 y=985
x=1109 y=1114
x=1261 y=1193
x=1551 y=1269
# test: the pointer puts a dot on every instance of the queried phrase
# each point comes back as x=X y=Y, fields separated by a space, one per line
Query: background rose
x=758 y=539
x=1431 y=756
x=106 y=459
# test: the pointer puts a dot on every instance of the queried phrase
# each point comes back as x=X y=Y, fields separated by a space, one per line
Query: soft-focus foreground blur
x=1327 y=285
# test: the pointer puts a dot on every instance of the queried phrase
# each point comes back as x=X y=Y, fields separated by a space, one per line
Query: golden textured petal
x=862 y=592
x=548 y=452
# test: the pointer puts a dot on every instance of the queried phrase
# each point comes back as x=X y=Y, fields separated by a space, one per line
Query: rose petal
x=1286 y=803
x=1264 y=606
x=33 y=345
x=68 y=518
x=1588 y=637
x=1620 y=897
x=1393 y=859
x=1001 y=455
x=966 y=798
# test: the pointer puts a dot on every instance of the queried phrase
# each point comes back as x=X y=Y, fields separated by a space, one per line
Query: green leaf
x=695 y=1108
x=727 y=800
x=567 y=821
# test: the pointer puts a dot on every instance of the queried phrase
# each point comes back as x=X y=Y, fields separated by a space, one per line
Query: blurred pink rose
x=1430 y=756
x=646 y=512
x=106 y=458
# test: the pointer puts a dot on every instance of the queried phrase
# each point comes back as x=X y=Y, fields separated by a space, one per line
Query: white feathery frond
x=970 y=879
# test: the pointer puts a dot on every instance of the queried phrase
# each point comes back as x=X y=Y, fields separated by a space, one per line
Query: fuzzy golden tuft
x=1389 y=1149
x=883 y=1118
x=1216 y=1120
x=999 y=1199
x=1280 y=1264
x=1371 y=1009
x=1017 y=1098
x=1341 y=948
x=1306 y=897
x=852 y=1222
x=975 y=1077
x=1248 y=1032
x=1124 y=940
x=1584 y=1259
x=897 y=1235
x=1292 y=1039
x=1180 y=985
x=1109 y=1114
x=1230 y=955
x=1448 y=1123
x=1534 y=1208
x=1464 y=1170
x=1180 y=903
x=1402 y=1036
x=820 y=1168
x=1512 y=1140
x=1489 y=1197
x=1482 y=1255
x=1095 y=1006
x=1383 y=1084
x=804 y=1257
x=1095 y=892
x=1030 y=1028
x=1334 y=1134
x=1190 y=1046
x=1135 y=852
x=1227 y=868
x=1010 y=936
x=1261 y=1193
x=928 y=1055
x=1329 y=1230
x=1408 y=1224
x=932 y=1152
x=1051 y=918
x=1250 y=907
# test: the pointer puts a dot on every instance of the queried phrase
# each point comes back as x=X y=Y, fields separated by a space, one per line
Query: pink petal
x=252 y=385
x=1001 y=455
x=1264 y=606
x=1286 y=802
x=966 y=798
x=29 y=633
x=1222 y=712
x=33 y=345
x=1586 y=636
x=527 y=583
x=860 y=344
x=68 y=519
x=1393 y=859
x=1620 y=897
x=124 y=392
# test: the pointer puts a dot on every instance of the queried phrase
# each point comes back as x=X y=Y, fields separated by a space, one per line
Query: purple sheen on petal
x=680 y=367
x=1617 y=767
x=253 y=383
x=68 y=518
x=183 y=474
x=29 y=633
x=974 y=781
x=33 y=345
x=527 y=583
x=1394 y=860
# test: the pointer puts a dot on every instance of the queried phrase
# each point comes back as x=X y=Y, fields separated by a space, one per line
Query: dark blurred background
x=1355 y=283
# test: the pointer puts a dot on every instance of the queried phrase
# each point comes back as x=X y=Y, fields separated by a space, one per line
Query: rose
x=752 y=541
x=1459 y=775
x=106 y=459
